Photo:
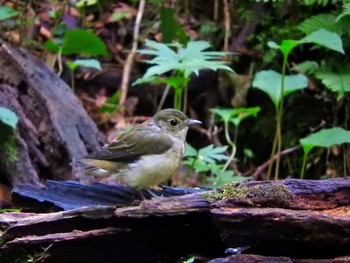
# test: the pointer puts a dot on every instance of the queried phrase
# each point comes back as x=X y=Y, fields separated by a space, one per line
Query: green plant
x=182 y=63
x=277 y=86
x=77 y=41
x=324 y=138
x=7 y=12
x=8 y=124
x=207 y=160
x=234 y=116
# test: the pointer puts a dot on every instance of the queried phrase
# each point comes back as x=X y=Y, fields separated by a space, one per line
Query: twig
x=227 y=24
x=262 y=167
x=130 y=58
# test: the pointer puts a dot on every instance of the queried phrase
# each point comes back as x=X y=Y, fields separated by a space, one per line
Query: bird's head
x=174 y=121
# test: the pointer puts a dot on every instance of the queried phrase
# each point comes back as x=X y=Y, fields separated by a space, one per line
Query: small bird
x=146 y=155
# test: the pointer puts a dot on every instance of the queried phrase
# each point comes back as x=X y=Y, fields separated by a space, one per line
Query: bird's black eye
x=174 y=122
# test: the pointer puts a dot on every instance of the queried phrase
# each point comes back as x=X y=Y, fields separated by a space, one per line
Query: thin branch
x=262 y=167
x=130 y=58
x=227 y=17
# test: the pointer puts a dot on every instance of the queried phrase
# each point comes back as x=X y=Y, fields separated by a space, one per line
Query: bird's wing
x=129 y=146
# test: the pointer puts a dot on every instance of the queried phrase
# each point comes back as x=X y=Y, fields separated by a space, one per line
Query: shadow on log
x=311 y=222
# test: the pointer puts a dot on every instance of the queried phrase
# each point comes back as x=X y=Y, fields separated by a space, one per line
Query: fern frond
x=308 y=67
x=314 y=23
x=335 y=81
x=345 y=11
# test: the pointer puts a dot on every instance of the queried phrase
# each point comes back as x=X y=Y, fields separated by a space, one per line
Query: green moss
x=271 y=194
x=8 y=146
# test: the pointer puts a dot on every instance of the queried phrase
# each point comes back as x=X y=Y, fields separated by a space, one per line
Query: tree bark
x=53 y=128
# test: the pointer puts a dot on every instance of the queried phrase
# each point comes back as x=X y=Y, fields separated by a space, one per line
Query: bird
x=146 y=155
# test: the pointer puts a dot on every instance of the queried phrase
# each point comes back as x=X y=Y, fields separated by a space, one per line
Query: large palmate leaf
x=189 y=59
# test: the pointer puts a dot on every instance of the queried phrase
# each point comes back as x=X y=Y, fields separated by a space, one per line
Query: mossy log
x=53 y=127
x=270 y=221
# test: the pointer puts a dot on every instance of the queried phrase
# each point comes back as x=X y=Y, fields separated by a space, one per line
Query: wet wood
x=313 y=223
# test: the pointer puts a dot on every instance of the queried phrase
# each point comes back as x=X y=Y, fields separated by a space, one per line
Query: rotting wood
x=53 y=128
x=314 y=223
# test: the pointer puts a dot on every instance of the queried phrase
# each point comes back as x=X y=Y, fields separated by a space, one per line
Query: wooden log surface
x=293 y=219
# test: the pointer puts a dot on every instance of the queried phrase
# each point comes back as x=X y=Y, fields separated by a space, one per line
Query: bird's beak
x=192 y=122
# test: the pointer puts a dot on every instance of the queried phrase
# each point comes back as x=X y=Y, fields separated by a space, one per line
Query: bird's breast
x=153 y=169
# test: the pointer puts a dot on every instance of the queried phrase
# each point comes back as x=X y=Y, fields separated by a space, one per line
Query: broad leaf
x=91 y=63
x=171 y=29
x=8 y=117
x=269 y=81
x=236 y=115
x=326 y=39
x=7 y=12
x=84 y=42
x=325 y=138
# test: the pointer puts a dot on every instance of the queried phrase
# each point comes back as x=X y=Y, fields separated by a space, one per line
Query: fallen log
x=288 y=219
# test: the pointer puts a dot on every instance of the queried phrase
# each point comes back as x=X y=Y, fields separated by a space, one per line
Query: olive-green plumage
x=146 y=155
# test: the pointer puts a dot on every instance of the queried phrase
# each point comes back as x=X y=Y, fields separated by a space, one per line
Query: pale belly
x=152 y=170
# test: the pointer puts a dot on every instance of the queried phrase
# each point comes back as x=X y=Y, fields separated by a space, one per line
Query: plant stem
x=303 y=167
x=279 y=118
x=233 y=146
x=162 y=100
x=273 y=153
x=185 y=97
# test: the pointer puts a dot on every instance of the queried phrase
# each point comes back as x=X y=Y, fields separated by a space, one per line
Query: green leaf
x=175 y=82
x=269 y=81
x=273 y=44
x=287 y=46
x=308 y=67
x=225 y=114
x=190 y=151
x=8 y=117
x=326 y=39
x=345 y=12
x=51 y=46
x=83 y=3
x=111 y=105
x=211 y=154
x=83 y=42
x=117 y=16
x=236 y=115
x=186 y=60
x=170 y=28
x=6 y=12
x=316 y=22
x=71 y=65
x=91 y=63
x=221 y=177
x=244 y=113
x=335 y=81
x=325 y=138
